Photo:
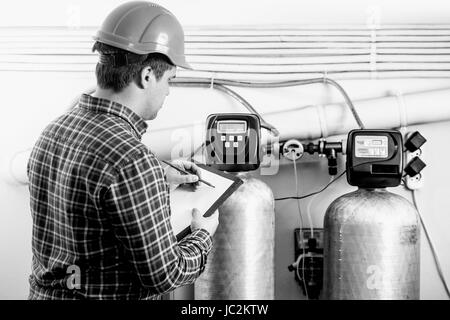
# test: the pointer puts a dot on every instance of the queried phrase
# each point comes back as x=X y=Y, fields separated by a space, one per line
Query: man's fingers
x=191 y=178
x=188 y=165
x=195 y=213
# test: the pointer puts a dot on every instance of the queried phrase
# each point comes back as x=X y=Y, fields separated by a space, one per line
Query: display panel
x=231 y=126
x=371 y=146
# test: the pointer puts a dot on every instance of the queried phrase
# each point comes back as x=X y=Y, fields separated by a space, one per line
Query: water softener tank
x=241 y=263
x=371 y=247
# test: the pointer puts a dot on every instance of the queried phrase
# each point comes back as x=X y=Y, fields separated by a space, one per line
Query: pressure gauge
x=232 y=141
x=374 y=158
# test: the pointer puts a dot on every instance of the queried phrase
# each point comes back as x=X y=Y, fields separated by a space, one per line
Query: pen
x=185 y=172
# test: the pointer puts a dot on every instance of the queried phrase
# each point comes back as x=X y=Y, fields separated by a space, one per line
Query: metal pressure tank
x=240 y=265
x=371 y=247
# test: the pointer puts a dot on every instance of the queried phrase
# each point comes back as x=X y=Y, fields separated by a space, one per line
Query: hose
x=433 y=250
x=301 y=227
x=216 y=82
x=192 y=82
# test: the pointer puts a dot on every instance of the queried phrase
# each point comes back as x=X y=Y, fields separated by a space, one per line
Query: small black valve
x=332 y=163
x=414 y=167
x=415 y=141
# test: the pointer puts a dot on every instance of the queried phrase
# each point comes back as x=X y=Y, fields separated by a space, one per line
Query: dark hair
x=118 y=78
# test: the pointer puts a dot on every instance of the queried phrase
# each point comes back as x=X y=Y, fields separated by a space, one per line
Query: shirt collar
x=107 y=106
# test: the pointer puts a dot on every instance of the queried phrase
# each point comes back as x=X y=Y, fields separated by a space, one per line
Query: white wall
x=30 y=100
x=231 y=12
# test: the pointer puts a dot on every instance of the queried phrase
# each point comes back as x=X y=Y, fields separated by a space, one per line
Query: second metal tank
x=241 y=263
x=371 y=247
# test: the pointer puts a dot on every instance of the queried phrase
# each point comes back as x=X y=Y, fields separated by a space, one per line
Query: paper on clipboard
x=205 y=198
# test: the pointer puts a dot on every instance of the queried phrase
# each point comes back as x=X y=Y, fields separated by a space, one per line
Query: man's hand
x=175 y=178
x=210 y=223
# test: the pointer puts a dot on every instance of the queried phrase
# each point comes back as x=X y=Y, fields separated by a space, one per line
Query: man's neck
x=125 y=98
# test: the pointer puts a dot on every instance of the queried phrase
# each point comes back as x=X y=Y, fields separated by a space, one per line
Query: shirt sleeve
x=138 y=206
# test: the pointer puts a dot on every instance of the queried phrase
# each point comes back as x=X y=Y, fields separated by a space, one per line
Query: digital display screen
x=371 y=146
x=232 y=126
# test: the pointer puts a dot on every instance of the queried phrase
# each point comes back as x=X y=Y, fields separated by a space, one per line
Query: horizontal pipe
x=244 y=51
x=265 y=77
x=273 y=69
x=385 y=29
x=193 y=40
x=314 y=122
x=239 y=62
x=249 y=45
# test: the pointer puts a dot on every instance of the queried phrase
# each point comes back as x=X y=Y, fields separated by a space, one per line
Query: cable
x=296 y=192
x=430 y=242
x=290 y=83
x=302 y=278
x=303 y=270
x=301 y=227
x=298 y=200
x=206 y=83
x=311 y=194
x=308 y=207
x=349 y=102
x=337 y=178
x=433 y=250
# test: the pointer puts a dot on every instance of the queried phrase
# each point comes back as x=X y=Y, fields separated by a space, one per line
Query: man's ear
x=146 y=77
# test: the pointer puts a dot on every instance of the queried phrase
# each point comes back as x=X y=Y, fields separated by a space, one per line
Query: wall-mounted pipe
x=313 y=122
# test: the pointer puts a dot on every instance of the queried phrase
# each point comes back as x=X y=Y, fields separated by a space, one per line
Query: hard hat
x=143 y=27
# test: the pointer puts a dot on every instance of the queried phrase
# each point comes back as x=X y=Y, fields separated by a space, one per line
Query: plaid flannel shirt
x=100 y=208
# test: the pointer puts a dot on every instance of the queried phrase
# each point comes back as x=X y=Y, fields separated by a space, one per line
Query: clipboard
x=205 y=198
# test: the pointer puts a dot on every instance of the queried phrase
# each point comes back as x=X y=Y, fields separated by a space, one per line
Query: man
x=99 y=197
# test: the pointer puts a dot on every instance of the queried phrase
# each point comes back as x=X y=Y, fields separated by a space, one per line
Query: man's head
x=140 y=44
x=150 y=73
